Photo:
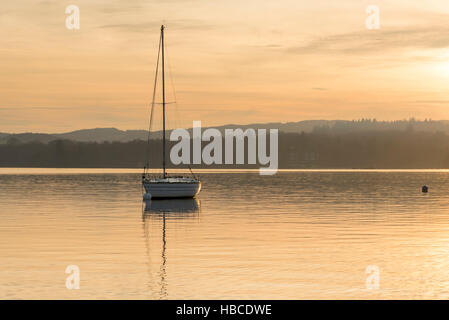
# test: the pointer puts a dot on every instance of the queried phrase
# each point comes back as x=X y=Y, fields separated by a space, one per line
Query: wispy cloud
x=172 y=24
x=374 y=41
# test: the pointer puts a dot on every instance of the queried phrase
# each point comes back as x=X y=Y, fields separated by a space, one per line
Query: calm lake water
x=295 y=235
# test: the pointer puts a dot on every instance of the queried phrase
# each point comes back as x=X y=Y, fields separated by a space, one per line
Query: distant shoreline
x=36 y=170
x=321 y=149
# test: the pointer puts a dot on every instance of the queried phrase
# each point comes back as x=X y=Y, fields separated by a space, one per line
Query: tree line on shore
x=395 y=149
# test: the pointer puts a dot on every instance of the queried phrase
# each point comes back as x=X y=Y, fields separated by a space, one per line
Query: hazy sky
x=232 y=61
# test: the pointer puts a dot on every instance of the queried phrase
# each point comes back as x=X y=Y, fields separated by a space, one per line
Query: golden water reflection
x=159 y=210
x=294 y=235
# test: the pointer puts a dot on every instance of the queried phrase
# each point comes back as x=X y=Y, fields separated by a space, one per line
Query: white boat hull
x=171 y=189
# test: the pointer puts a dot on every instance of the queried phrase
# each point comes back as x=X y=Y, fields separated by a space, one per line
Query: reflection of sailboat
x=165 y=186
x=181 y=206
x=171 y=209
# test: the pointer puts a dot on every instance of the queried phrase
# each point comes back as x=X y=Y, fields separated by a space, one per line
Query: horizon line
x=410 y=119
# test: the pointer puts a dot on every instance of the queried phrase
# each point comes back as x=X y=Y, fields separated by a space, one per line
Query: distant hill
x=26 y=137
x=87 y=135
x=307 y=126
x=104 y=134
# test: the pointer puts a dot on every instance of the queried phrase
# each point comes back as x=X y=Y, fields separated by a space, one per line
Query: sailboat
x=166 y=186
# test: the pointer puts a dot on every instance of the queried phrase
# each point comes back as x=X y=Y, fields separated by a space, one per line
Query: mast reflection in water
x=153 y=212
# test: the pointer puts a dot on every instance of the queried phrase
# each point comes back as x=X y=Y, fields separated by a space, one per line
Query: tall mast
x=163 y=101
